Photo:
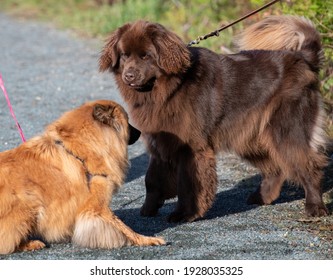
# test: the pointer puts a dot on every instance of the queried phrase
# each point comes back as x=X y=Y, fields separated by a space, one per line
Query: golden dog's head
x=142 y=52
x=95 y=125
x=95 y=119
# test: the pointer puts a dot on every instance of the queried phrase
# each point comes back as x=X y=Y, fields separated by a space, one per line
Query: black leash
x=217 y=32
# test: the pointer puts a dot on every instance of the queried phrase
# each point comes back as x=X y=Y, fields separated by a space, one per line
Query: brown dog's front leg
x=197 y=184
x=160 y=185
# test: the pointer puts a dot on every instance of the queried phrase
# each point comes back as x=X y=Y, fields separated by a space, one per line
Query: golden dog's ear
x=105 y=114
x=173 y=54
x=109 y=116
x=110 y=54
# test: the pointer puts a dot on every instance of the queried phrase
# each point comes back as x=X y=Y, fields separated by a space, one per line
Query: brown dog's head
x=141 y=52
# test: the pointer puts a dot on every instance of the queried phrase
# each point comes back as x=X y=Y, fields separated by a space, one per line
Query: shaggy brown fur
x=191 y=103
x=59 y=185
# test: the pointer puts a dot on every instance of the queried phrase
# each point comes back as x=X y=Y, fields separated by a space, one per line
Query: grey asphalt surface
x=47 y=72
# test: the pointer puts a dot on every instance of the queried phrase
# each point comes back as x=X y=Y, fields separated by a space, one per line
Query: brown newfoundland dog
x=191 y=103
x=58 y=186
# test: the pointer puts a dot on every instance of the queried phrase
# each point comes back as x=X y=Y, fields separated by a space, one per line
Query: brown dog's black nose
x=129 y=76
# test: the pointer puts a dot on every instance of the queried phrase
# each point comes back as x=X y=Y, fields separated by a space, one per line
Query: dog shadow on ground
x=227 y=202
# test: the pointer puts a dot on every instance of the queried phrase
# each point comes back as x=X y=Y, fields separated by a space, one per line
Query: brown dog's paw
x=177 y=217
x=148 y=210
x=32 y=245
x=315 y=210
x=255 y=198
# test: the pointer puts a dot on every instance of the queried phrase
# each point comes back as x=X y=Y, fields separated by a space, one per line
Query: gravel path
x=47 y=72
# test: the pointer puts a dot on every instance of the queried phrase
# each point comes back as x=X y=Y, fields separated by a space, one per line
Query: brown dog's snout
x=129 y=76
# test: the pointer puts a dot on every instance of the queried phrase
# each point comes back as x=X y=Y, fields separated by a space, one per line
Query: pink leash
x=2 y=86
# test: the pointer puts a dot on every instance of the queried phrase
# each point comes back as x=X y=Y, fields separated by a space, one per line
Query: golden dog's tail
x=284 y=33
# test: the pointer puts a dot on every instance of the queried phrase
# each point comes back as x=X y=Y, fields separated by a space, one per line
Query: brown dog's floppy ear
x=110 y=54
x=173 y=54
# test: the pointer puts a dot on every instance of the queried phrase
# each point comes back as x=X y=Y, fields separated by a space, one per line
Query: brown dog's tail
x=285 y=33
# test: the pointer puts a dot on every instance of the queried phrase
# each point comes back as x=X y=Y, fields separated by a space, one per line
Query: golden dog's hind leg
x=97 y=227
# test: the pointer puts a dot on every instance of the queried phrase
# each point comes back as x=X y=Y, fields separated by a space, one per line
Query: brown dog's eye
x=144 y=56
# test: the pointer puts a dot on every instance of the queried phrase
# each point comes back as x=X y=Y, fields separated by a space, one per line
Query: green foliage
x=321 y=13
x=193 y=18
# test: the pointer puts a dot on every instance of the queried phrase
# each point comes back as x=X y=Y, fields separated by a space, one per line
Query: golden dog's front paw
x=157 y=241
x=149 y=241
x=31 y=245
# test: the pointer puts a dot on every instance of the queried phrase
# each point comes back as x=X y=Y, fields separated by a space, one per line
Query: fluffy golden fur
x=191 y=103
x=58 y=186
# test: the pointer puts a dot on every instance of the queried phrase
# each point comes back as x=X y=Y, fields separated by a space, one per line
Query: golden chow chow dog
x=58 y=186
x=191 y=103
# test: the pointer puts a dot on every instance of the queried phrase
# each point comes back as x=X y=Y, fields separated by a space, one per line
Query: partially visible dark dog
x=58 y=185
x=191 y=103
